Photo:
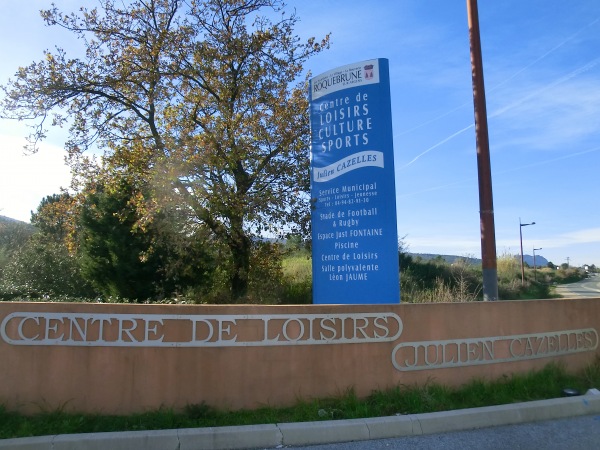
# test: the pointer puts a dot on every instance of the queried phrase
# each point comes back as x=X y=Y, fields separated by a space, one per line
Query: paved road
x=578 y=433
x=588 y=288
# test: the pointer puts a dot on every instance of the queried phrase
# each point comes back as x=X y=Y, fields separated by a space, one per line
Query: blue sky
x=542 y=76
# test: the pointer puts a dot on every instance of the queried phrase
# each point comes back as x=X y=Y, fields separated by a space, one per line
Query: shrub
x=41 y=269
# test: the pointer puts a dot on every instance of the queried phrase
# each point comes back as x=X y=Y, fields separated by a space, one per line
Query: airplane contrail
x=514 y=75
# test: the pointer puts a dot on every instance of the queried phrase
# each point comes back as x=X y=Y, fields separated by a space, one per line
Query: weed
x=430 y=397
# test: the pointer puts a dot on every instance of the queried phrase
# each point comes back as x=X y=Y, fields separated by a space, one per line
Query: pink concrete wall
x=114 y=358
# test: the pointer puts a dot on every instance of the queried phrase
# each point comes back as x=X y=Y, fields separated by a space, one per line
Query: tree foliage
x=111 y=254
x=13 y=235
x=54 y=217
x=43 y=268
x=199 y=97
x=122 y=260
x=38 y=263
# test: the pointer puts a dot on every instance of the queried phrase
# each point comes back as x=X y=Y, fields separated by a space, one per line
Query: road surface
x=576 y=433
x=588 y=288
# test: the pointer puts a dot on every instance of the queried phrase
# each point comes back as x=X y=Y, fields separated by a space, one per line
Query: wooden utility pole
x=486 y=204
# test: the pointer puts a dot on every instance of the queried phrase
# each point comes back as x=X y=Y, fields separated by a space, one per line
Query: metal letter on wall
x=354 y=234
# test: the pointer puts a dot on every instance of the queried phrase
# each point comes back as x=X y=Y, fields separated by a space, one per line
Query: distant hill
x=450 y=259
x=10 y=227
x=10 y=223
x=540 y=261
x=13 y=234
x=9 y=220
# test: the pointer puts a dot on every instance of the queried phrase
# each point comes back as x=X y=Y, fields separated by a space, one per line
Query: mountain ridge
x=450 y=259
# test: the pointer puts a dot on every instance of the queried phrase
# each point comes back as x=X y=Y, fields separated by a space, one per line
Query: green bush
x=297 y=279
x=266 y=276
x=43 y=269
x=438 y=281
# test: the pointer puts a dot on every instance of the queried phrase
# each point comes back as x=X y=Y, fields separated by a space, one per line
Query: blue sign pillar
x=354 y=234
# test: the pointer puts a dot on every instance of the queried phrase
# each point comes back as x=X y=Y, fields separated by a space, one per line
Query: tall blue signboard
x=354 y=235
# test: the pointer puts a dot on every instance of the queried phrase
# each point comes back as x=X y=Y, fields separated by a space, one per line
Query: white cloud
x=444 y=244
x=552 y=116
x=585 y=236
x=581 y=246
x=584 y=243
x=26 y=179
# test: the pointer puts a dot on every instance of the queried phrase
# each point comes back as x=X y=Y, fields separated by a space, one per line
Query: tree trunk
x=240 y=250
x=241 y=247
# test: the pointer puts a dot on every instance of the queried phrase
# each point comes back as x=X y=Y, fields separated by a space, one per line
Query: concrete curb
x=309 y=433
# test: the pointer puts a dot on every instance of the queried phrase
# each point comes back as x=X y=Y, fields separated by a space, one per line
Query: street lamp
x=521 y=225
x=534 y=265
